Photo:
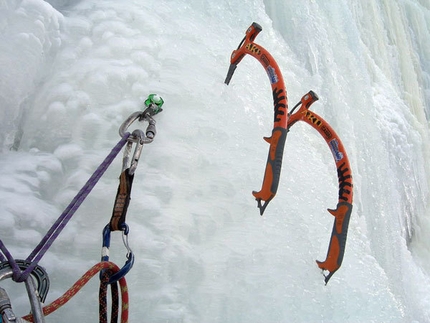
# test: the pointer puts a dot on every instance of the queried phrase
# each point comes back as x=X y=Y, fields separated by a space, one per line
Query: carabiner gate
x=138 y=137
x=105 y=253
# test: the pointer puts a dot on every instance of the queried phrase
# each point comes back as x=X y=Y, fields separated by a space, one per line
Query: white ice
x=72 y=71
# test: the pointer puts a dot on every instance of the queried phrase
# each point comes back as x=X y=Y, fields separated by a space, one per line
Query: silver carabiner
x=6 y=309
x=150 y=130
x=138 y=137
x=137 y=151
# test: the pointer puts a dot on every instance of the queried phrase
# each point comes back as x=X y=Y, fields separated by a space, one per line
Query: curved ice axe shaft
x=343 y=209
x=280 y=102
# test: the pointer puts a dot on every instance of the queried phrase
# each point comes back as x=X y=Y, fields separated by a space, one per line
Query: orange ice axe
x=342 y=213
x=283 y=121
x=280 y=102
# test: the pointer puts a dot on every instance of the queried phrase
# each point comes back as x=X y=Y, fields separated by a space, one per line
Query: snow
x=73 y=71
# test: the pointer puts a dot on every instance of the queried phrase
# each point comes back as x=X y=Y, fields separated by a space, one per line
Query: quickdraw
x=282 y=124
x=137 y=138
x=122 y=200
x=123 y=196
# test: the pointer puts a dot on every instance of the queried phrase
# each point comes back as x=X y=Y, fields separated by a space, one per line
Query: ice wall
x=30 y=37
x=203 y=253
x=370 y=64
